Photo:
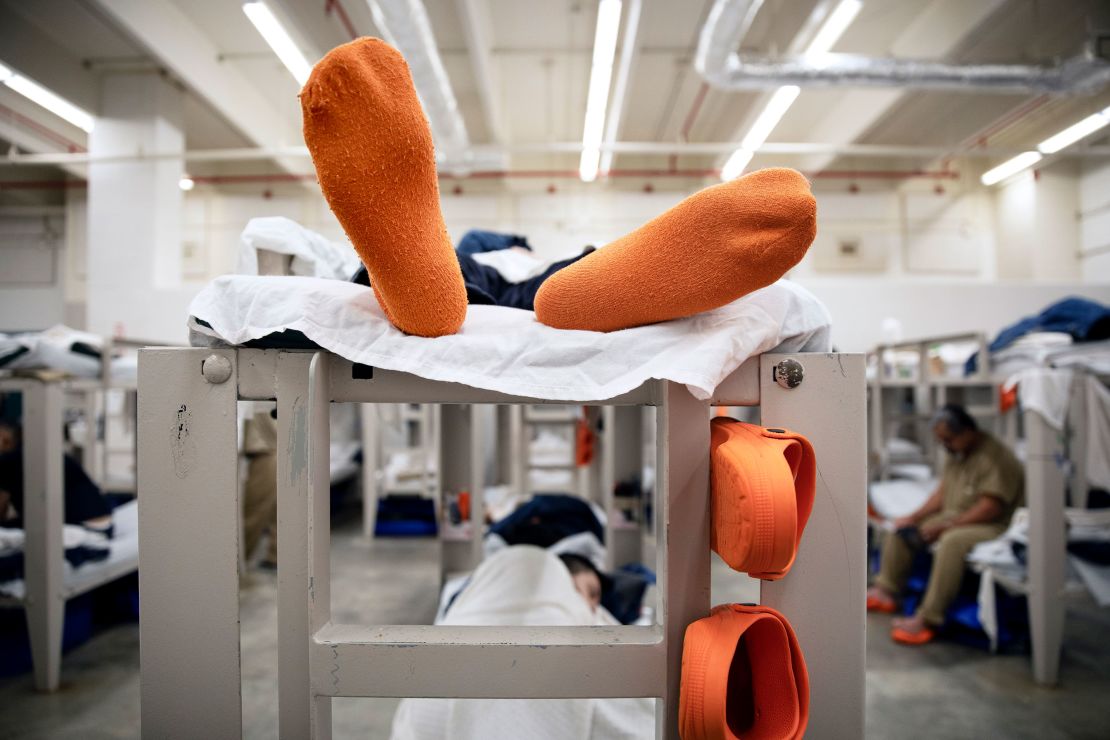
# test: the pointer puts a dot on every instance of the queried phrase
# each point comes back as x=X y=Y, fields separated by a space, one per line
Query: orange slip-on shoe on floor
x=762 y=483
x=743 y=676
x=905 y=637
x=883 y=606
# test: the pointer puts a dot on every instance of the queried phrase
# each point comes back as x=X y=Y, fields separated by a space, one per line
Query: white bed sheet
x=508 y=350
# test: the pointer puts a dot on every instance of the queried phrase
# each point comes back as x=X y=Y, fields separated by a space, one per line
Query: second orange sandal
x=762 y=483
x=743 y=676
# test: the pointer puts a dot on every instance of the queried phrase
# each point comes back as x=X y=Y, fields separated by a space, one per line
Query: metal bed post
x=1044 y=492
x=461 y=467
x=44 y=551
x=190 y=681
x=622 y=453
x=370 y=421
x=823 y=595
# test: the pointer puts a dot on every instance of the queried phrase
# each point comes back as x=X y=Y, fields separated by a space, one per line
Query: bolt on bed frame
x=189 y=532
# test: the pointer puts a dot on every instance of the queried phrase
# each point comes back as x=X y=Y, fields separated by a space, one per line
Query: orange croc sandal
x=762 y=483
x=883 y=606
x=905 y=637
x=743 y=676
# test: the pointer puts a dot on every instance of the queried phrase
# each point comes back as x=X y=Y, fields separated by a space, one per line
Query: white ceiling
x=541 y=50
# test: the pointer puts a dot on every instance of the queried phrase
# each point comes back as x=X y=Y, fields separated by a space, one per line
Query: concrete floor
x=939 y=691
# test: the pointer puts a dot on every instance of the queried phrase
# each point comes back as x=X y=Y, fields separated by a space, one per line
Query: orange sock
x=373 y=152
x=719 y=244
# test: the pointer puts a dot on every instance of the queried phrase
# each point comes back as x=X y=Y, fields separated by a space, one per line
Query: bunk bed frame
x=188 y=520
x=46 y=589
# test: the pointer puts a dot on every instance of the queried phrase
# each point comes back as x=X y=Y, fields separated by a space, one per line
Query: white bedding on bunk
x=523 y=586
x=123 y=548
x=508 y=350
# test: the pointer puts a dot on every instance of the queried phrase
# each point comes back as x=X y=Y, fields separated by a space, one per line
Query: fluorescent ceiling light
x=1075 y=132
x=601 y=72
x=620 y=89
x=1010 y=167
x=827 y=35
x=736 y=163
x=777 y=106
x=279 y=40
x=834 y=27
x=38 y=94
x=186 y=183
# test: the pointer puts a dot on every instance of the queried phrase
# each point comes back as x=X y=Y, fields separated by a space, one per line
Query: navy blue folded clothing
x=1084 y=320
x=546 y=519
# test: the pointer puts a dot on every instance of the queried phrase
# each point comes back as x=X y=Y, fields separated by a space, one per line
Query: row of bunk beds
x=1045 y=394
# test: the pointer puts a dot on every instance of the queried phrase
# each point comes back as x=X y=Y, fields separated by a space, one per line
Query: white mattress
x=508 y=350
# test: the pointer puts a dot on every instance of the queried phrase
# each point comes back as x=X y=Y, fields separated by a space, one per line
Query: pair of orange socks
x=374 y=158
x=743 y=676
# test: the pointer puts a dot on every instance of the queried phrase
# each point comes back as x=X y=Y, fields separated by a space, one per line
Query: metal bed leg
x=1045 y=497
x=823 y=596
x=621 y=459
x=371 y=466
x=303 y=538
x=189 y=537
x=44 y=500
x=460 y=468
x=681 y=531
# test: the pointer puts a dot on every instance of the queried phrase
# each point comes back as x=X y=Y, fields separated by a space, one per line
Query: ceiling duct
x=729 y=21
x=405 y=25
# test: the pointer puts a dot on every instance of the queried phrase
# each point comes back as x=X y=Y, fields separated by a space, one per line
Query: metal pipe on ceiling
x=272 y=178
x=724 y=68
x=486 y=157
x=404 y=24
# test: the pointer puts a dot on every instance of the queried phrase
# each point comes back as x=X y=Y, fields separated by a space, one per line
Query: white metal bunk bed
x=375 y=453
x=1045 y=478
x=188 y=524
x=47 y=585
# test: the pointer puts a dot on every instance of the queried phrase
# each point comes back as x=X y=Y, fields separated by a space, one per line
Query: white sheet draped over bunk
x=508 y=350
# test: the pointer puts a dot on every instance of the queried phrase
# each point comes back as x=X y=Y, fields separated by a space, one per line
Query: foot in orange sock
x=373 y=152
x=719 y=244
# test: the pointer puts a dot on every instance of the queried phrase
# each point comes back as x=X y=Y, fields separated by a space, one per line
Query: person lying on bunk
x=529 y=587
x=84 y=504
x=981 y=486
x=372 y=149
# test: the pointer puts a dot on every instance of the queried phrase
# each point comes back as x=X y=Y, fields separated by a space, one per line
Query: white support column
x=134 y=254
x=189 y=538
x=823 y=595
x=44 y=516
x=681 y=531
x=370 y=421
x=1044 y=489
x=622 y=453
x=294 y=488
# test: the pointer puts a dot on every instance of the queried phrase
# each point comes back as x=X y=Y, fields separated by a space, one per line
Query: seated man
x=981 y=486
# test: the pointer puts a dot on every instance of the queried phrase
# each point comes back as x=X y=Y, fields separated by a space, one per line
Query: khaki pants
x=948 y=565
x=260 y=492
